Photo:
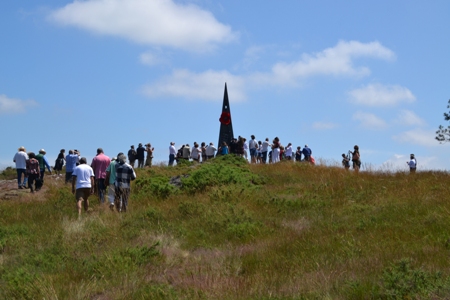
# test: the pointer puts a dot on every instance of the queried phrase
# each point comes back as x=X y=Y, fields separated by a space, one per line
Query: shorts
x=82 y=194
x=253 y=152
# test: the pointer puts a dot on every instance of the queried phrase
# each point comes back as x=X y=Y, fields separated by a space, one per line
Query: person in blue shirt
x=71 y=162
x=307 y=152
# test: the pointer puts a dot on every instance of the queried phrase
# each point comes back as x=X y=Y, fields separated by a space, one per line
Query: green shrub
x=157 y=186
x=224 y=170
x=401 y=281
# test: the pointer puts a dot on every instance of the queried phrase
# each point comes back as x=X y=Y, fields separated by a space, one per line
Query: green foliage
x=401 y=281
x=18 y=284
x=8 y=174
x=156 y=186
x=443 y=133
x=224 y=170
x=234 y=231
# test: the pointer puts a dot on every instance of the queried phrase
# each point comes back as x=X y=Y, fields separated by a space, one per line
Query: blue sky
x=330 y=74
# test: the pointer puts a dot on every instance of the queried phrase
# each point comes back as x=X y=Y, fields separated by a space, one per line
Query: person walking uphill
x=124 y=175
x=71 y=162
x=43 y=162
x=99 y=164
x=82 y=184
x=33 y=171
x=20 y=159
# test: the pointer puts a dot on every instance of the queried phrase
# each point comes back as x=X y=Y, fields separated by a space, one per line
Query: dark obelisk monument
x=226 y=126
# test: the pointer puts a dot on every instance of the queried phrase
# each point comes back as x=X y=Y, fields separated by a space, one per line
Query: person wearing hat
x=412 y=163
x=124 y=175
x=140 y=156
x=149 y=149
x=172 y=153
x=20 y=159
x=43 y=162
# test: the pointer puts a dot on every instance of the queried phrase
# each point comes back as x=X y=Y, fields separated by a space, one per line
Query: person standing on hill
x=71 y=162
x=43 y=163
x=298 y=154
x=345 y=161
x=275 y=150
x=124 y=175
x=307 y=152
x=20 y=159
x=149 y=149
x=33 y=171
x=356 y=158
x=196 y=152
x=265 y=150
x=59 y=162
x=253 y=145
x=140 y=155
x=210 y=151
x=82 y=184
x=132 y=155
x=172 y=153
x=99 y=164
x=412 y=163
x=288 y=151
x=186 y=152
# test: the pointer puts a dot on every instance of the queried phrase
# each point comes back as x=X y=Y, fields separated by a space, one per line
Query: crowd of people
x=110 y=178
x=257 y=151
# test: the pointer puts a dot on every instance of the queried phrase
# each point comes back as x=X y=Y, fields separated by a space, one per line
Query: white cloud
x=381 y=95
x=369 y=121
x=151 y=59
x=14 y=106
x=203 y=86
x=409 y=118
x=337 y=60
x=419 y=137
x=156 y=22
x=323 y=125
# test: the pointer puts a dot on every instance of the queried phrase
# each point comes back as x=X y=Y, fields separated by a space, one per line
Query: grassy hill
x=235 y=231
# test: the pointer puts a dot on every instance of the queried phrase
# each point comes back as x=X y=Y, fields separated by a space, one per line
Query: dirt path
x=9 y=190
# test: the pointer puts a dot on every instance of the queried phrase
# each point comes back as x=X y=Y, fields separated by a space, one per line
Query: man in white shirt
x=20 y=159
x=288 y=151
x=412 y=164
x=172 y=153
x=210 y=151
x=83 y=181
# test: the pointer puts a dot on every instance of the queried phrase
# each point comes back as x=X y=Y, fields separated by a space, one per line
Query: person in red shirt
x=99 y=164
